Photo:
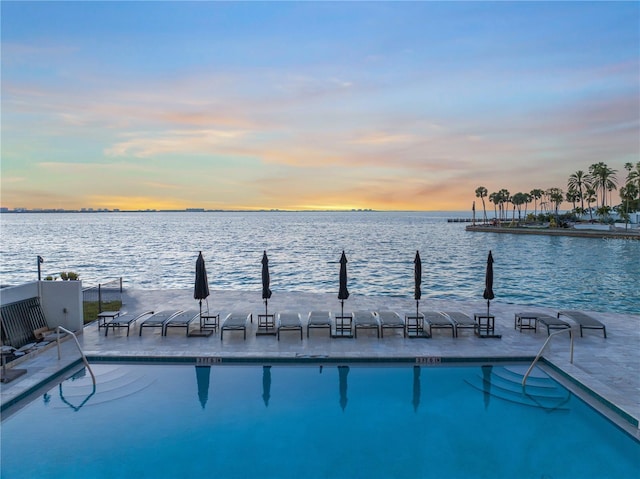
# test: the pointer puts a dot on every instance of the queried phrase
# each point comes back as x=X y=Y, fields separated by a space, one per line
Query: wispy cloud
x=184 y=142
x=352 y=111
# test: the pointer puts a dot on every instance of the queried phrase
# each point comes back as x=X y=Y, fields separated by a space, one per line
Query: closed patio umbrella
x=201 y=288
x=417 y=276
x=488 y=282
x=266 y=280
x=343 y=292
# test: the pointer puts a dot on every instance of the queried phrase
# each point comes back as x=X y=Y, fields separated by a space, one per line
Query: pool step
x=112 y=383
x=505 y=383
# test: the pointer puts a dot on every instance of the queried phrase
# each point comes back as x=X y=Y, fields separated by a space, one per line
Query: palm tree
x=536 y=194
x=590 y=196
x=604 y=178
x=505 y=197
x=481 y=192
x=518 y=200
x=633 y=176
x=573 y=196
x=577 y=182
x=527 y=200
x=627 y=194
x=630 y=191
x=494 y=198
x=556 y=197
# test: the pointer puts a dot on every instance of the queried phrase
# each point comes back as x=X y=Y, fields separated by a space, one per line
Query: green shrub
x=70 y=276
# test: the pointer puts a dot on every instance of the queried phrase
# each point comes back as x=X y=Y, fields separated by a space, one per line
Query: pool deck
x=610 y=367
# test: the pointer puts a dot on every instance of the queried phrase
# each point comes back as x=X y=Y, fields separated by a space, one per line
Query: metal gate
x=19 y=320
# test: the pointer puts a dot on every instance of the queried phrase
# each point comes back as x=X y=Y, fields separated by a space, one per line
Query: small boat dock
x=459 y=220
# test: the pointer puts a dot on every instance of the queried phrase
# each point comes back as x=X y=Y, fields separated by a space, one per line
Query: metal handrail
x=524 y=379
x=84 y=358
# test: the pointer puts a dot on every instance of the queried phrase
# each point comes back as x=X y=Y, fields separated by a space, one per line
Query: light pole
x=40 y=261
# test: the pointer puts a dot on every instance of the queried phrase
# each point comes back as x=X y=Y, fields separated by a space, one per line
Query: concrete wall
x=62 y=304
x=61 y=301
x=18 y=293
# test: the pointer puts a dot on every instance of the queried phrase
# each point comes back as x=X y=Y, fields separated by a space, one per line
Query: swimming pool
x=287 y=421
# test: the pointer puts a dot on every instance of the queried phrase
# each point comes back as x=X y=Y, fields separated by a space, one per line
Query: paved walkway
x=610 y=367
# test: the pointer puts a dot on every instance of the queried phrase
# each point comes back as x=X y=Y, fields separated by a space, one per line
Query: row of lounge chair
x=161 y=319
x=530 y=320
x=423 y=324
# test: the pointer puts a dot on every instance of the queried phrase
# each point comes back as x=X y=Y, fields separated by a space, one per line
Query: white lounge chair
x=319 y=319
x=236 y=322
x=289 y=322
x=158 y=320
x=125 y=320
x=552 y=323
x=365 y=320
x=437 y=320
x=391 y=320
x=182 y=320
x=584 y=321
x=460 y=320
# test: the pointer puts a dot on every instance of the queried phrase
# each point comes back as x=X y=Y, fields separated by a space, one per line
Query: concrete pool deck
x=610 y=367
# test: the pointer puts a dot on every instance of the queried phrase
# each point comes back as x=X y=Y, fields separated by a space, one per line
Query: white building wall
x=62 y=304
x=61 y=301
x=18 y=293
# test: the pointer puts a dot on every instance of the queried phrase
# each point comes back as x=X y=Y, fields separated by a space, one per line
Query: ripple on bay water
x=158 y=251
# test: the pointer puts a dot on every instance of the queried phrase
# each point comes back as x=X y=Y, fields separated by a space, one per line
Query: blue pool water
x=166 y=421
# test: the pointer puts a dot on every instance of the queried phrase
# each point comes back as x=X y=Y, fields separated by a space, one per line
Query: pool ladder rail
x=524 y=379
x=84 y=358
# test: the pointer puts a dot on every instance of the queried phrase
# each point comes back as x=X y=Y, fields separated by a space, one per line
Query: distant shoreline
x=599 y=234
x=202 y=210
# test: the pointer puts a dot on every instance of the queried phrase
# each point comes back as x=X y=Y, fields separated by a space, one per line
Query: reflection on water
x=486 y=384
x=157 y=251
x=416 y=388
x=76 y=407
x=266 y=384
x=343 y=372
x=203 y=374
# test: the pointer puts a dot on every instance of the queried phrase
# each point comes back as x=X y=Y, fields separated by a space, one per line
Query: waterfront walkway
x=610 y=367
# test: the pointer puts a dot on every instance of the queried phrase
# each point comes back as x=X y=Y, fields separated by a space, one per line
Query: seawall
x=613 y=234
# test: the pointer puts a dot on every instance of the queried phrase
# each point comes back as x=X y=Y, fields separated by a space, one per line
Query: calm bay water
x=158 y=251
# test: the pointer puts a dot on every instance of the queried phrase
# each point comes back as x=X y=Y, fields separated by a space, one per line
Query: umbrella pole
x=342 y=307
x=488 y=301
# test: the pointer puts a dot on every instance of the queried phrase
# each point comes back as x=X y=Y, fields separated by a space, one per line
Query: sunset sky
x=311 y=105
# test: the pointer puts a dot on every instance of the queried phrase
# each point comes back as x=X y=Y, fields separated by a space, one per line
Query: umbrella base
x=343 y=327
x=415 y=326
x=205 y=333
x=8 y=375
x=485 y=325
x=419 y=335
x=266 y=325
x=266 y=332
